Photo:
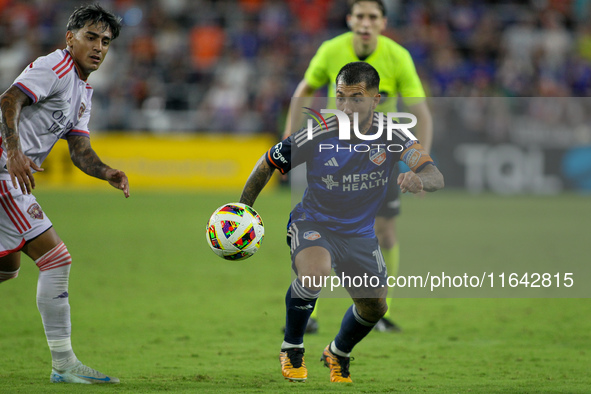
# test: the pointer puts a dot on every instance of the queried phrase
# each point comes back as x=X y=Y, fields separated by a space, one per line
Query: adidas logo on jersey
x=332 y=163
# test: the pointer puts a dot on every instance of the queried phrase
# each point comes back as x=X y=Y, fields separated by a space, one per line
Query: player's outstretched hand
x=410 y=182
x=118 y=180
x=19 y=167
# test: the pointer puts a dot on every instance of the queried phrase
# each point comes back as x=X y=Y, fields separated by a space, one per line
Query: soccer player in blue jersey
x=398 y=77
x=333 y=225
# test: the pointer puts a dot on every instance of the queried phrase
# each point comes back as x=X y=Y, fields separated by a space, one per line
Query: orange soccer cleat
x=339 y=366
x=293 y=366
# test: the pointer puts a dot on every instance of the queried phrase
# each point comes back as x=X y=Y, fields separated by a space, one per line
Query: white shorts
x=21 y=218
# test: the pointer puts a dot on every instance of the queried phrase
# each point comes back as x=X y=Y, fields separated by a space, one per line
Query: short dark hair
x=358 y=72
x=97 y=15
x=379 y=3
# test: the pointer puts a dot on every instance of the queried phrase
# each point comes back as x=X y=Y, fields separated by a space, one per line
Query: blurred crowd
x=232 y=65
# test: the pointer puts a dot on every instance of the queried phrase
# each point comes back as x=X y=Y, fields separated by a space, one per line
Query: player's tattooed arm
x=256 y=181
x=432 y=178
x=19 y=166
x=86 y=159
x=428 y=179
x=11 y=103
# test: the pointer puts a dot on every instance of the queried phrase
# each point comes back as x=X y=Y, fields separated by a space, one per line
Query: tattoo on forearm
x=256 y=182
x=8 y=126
x=85 y=158
x=432 y=178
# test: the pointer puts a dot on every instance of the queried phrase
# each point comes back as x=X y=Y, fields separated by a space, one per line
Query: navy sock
x=353 y=329
x=299 y=304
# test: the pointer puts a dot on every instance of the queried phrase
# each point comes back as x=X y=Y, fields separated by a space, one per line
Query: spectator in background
x=460 y=48
x=206 y=43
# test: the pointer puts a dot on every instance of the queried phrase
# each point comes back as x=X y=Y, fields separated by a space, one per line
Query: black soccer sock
x=353 y=329
x=299 y=304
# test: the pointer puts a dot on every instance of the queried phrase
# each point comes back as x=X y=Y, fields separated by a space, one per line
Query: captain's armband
x=279 y=157
x=416 y=157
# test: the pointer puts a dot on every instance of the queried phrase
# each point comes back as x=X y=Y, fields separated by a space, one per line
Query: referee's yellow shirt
x=394 y=64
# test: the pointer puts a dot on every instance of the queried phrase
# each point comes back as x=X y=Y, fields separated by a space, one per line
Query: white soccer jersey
x=61 y=106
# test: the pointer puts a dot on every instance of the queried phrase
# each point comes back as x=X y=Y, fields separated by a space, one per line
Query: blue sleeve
x=279 y=156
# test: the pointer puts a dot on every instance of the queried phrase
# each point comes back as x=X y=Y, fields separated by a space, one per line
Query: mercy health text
x=433 y=282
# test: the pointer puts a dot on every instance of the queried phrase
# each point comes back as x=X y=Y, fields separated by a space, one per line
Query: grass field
x=154 y=307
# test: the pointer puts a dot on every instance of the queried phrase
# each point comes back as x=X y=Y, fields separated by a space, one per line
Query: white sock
x=62 y=355
x=53 y=305
x=335 y=350
x=287 y=345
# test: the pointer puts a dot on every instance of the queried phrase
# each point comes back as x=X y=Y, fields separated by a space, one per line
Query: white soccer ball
x=235 y=231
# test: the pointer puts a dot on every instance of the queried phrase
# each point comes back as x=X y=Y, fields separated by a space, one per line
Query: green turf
x=154 y=307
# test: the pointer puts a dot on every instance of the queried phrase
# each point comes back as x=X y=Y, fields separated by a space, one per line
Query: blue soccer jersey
x=347 y=180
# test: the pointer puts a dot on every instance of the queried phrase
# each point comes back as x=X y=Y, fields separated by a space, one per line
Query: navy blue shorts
x=354 y=258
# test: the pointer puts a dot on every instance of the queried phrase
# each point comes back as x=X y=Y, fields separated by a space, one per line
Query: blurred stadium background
x=205 y=67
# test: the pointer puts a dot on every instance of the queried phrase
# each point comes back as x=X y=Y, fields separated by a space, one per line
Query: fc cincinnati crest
x=81 y=110
x=311 y=235
x=377 y=156
x=35 y=211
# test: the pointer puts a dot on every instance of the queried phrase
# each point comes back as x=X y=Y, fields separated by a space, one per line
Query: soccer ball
x=235 y=231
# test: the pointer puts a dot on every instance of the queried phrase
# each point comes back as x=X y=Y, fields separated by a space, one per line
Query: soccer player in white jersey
x=48 y=101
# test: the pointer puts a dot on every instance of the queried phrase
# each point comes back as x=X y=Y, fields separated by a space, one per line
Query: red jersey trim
x=79 y=131
x=54 y=68
x=27 y=91
x=12 y=210
x=64 y=67
x=7 y=252
x=82 y=133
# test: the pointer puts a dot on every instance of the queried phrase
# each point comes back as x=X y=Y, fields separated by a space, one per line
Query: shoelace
x=343 y=365
x=295 y=357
